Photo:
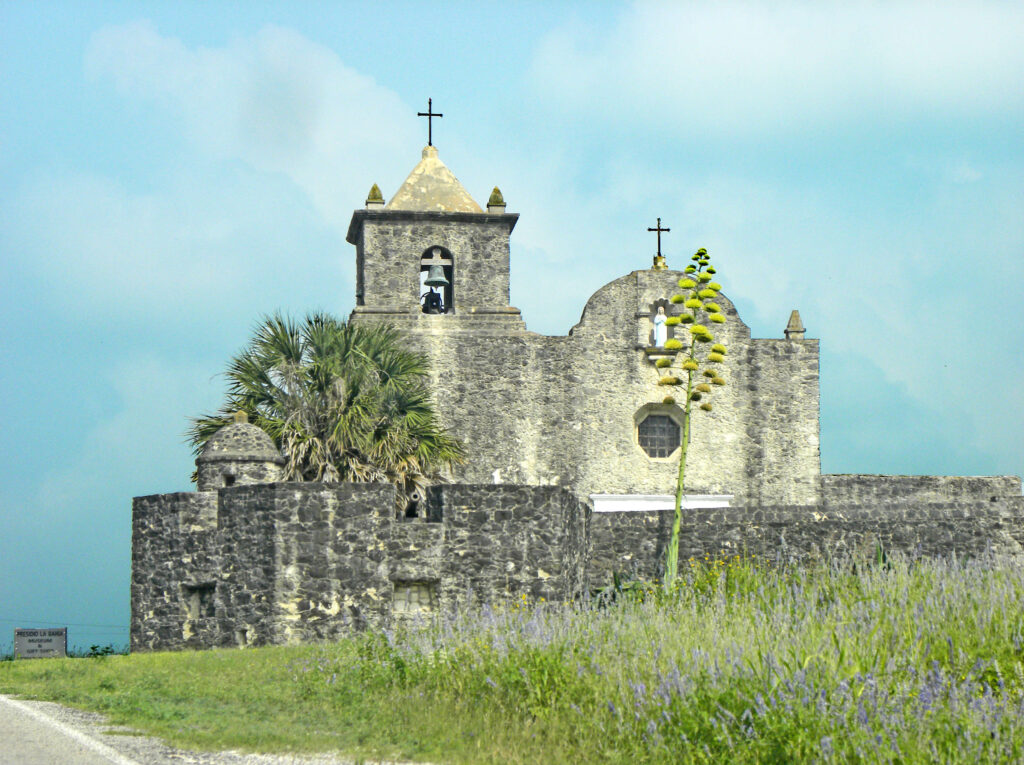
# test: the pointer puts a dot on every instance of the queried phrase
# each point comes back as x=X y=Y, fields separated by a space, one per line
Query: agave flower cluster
x=697 y=296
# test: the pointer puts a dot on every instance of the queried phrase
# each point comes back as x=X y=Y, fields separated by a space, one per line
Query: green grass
x=903 y=662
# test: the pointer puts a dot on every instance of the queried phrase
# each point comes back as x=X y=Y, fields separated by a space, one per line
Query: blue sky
x=171 y=171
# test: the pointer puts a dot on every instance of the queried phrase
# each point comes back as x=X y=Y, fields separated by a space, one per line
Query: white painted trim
x=634 y=503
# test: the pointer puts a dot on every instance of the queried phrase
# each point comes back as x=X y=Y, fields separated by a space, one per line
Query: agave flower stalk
x=697 y=296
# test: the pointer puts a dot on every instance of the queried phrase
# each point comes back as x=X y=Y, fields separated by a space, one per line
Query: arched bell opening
x=437 y=281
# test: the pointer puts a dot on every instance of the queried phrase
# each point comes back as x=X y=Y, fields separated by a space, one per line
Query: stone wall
x=844 y=489
x=303 y=561
x=299 y=562
x=780 y=441
x=503 y=542
x=175 y=562
x=634 y=543
x=296 y=562
x=508 y=397
x=248 y=559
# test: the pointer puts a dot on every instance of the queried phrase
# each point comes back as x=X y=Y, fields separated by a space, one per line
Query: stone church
x=576 y=410
x=574 y=458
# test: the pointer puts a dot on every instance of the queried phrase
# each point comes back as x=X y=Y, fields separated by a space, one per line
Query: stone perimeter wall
x=852 y=488
x=634 y=543
x=174 y=548
x=296 y=562
x=287 y=562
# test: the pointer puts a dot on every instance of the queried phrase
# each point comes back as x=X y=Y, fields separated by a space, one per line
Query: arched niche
x=666 y=305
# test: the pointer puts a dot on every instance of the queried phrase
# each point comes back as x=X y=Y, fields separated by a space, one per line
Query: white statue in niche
x=660 y=327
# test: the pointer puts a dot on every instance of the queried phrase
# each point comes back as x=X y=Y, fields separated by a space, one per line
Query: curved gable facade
x=565 y=410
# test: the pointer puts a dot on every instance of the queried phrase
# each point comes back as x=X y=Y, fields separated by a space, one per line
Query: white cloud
x=204 y=246
x=285 y=142
x=286 y=106
x=867 y=283
x=140 y=448
x=276 y=100
x=765 y=69
x=963 y=172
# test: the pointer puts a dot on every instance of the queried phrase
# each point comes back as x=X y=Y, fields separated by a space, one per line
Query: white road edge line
x=85 y=740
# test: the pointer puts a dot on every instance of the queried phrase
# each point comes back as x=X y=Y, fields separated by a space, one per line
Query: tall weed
x=899 y=660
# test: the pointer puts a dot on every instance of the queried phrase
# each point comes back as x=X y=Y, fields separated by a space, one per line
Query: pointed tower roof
x=431 y=186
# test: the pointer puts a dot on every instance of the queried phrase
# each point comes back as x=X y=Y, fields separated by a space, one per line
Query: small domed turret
x=238 y=454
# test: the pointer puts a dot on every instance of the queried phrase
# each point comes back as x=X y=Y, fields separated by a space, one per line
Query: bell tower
x=432 y=256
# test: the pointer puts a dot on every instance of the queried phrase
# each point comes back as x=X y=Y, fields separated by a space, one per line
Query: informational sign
x=39 y=644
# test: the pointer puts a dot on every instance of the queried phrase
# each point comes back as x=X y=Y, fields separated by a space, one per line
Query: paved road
x=41 y=733
x=28 y=736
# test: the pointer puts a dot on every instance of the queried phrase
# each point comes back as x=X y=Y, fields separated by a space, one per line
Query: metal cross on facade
x=659 y=229
x=429 y=114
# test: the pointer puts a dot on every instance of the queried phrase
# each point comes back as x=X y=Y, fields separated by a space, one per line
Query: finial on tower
x=374 y=198
x=496 y=202
x=795 y=328
x=240 y=417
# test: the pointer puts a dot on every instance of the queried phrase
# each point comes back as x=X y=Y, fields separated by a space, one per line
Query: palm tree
x=343 y=402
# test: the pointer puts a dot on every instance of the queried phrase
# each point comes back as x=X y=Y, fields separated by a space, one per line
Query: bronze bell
x=435 y=277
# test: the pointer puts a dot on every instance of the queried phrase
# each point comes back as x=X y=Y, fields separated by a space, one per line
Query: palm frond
x=342 y=402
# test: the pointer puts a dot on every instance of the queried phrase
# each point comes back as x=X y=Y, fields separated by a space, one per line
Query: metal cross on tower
x=659 y=229
x=429 y=114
